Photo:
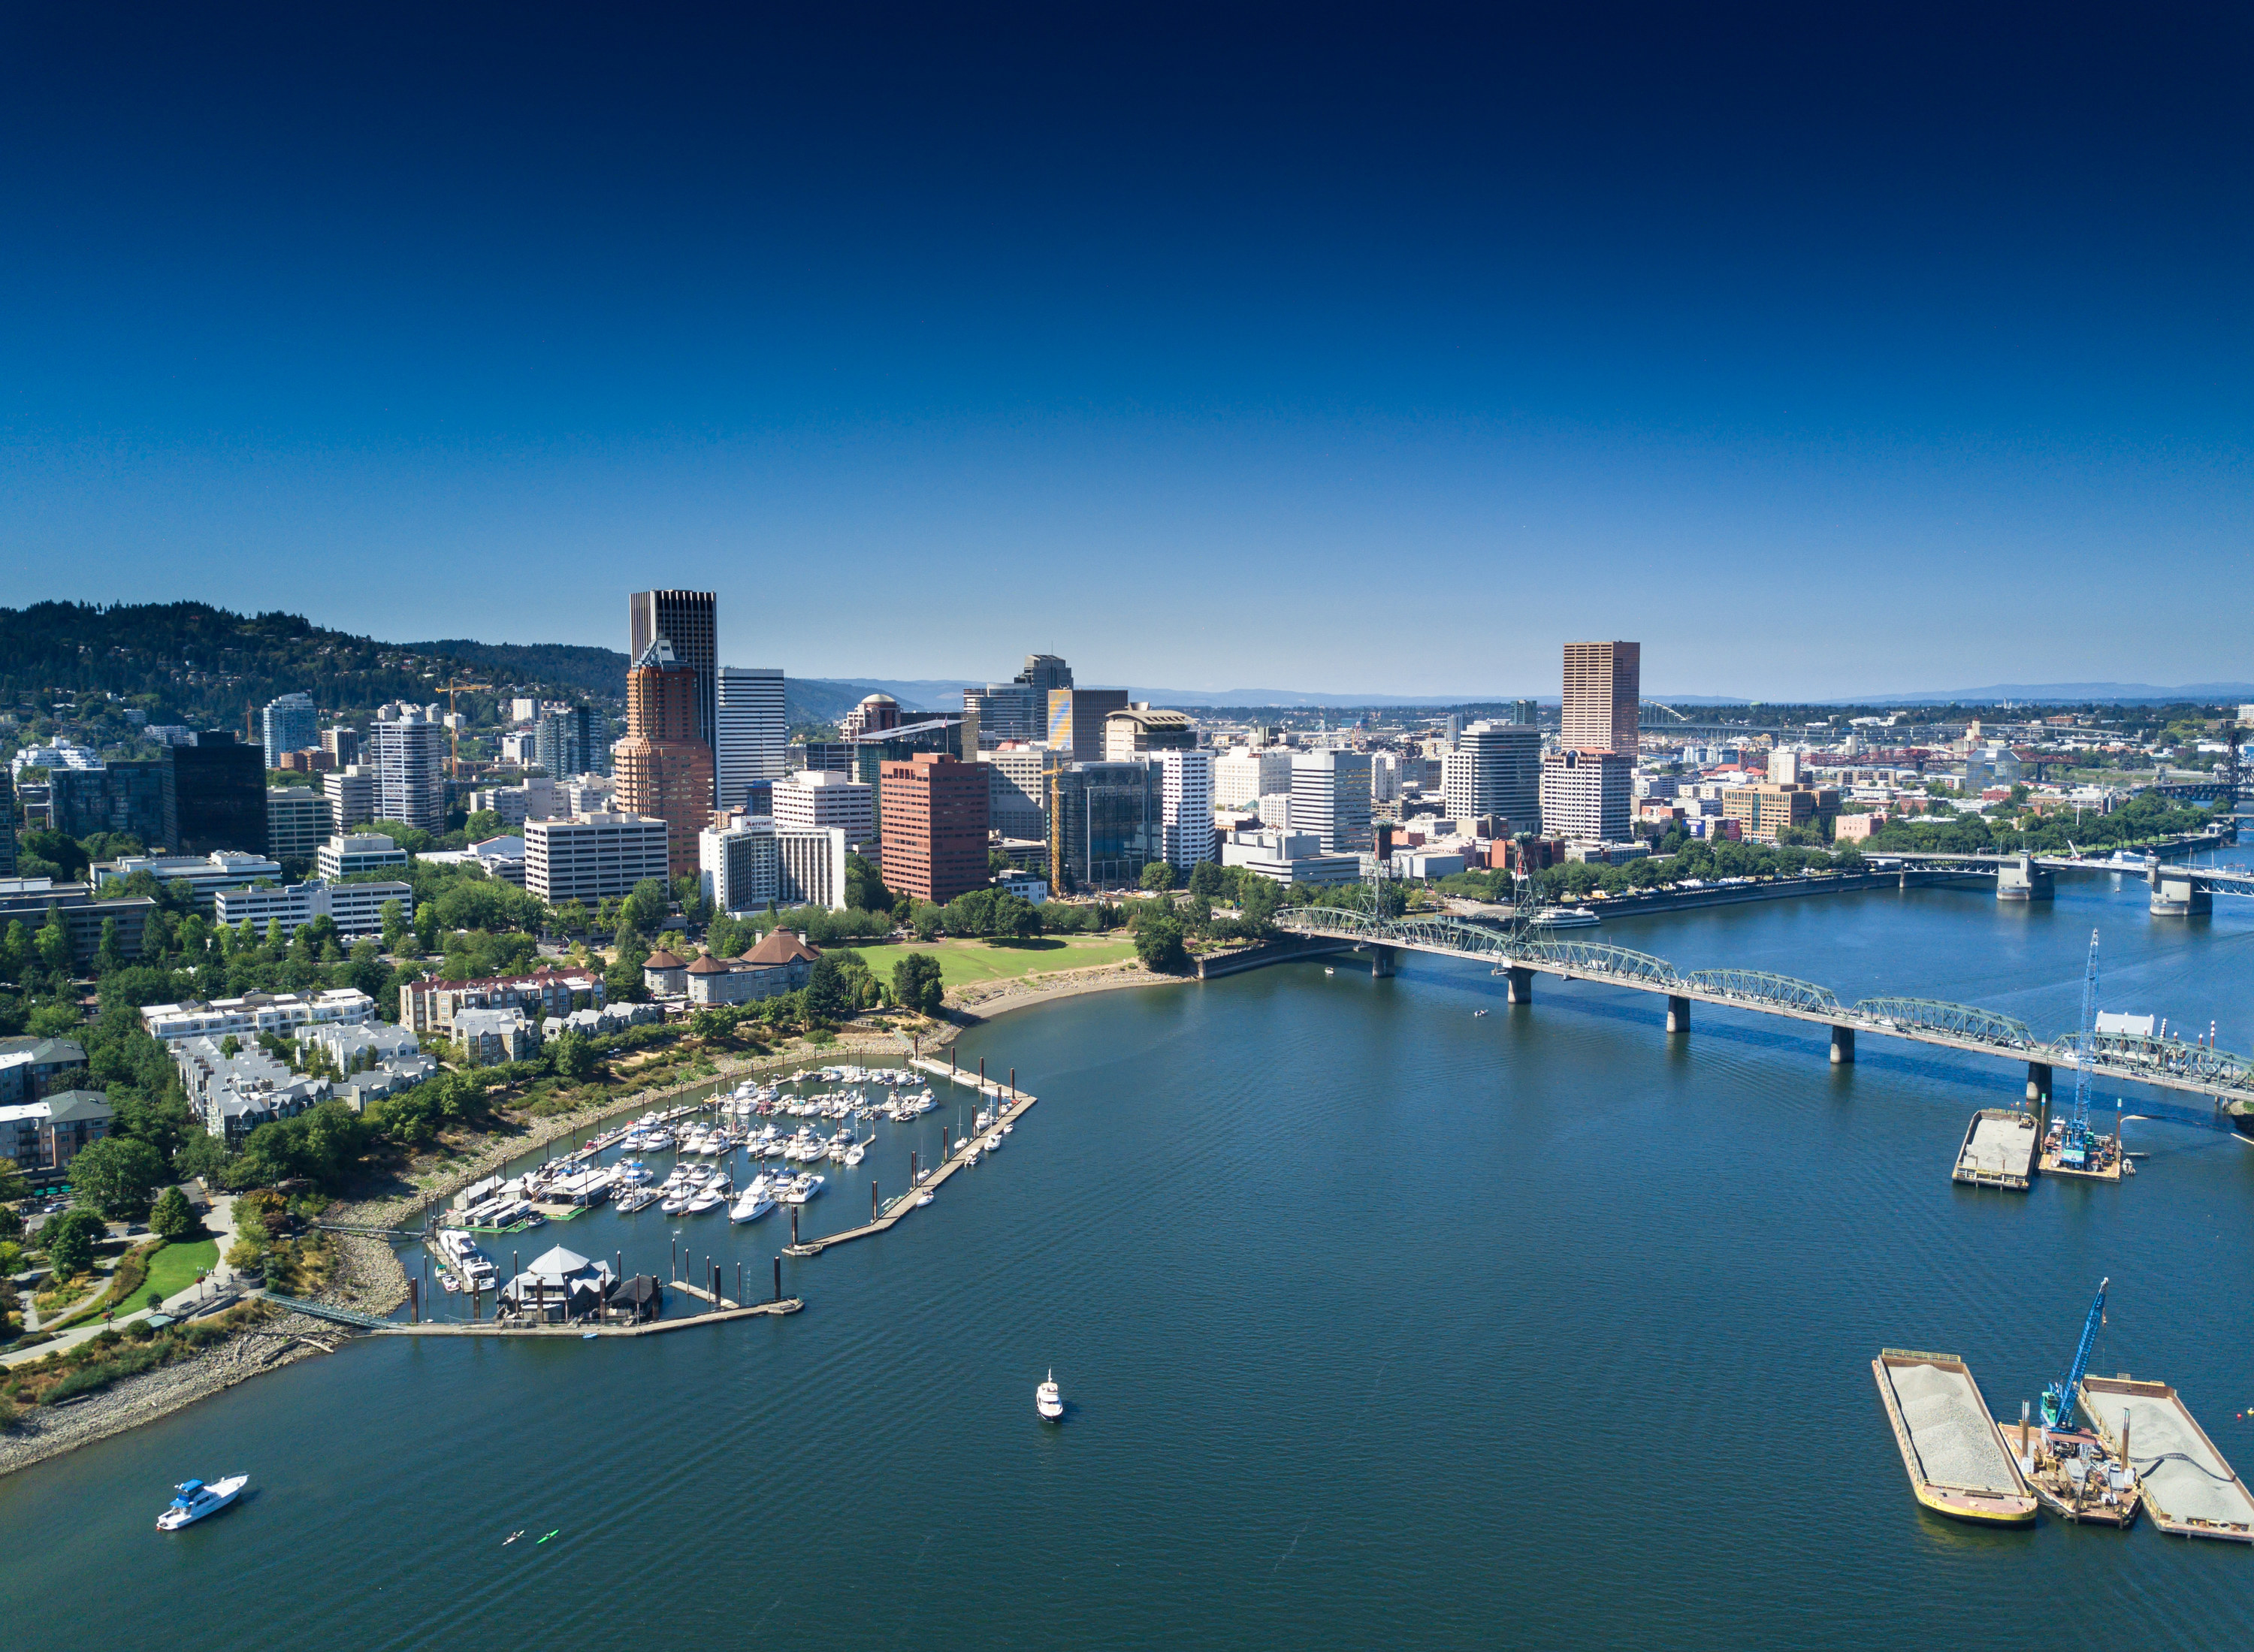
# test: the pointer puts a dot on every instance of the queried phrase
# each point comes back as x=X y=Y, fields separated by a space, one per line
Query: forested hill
x=190 y=662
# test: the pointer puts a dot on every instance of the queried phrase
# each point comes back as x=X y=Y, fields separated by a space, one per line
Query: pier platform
x=648 y=1327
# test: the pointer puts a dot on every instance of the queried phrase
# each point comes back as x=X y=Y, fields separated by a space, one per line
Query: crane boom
x=2058 y=1400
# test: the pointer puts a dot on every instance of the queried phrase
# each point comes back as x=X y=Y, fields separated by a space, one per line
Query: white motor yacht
x=1048 y=1401
x=708 y=1199
x=195 y=1499
x=752 y=1203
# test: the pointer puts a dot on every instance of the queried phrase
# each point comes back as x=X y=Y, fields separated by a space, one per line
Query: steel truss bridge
x=2166 y=1063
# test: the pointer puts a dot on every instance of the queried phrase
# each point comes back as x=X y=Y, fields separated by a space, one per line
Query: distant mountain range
x=2068 y=693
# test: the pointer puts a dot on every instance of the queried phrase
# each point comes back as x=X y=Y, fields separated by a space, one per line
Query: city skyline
x=1361 y=353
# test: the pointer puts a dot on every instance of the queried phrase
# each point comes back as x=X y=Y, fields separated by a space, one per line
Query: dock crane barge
x=2058 y=1400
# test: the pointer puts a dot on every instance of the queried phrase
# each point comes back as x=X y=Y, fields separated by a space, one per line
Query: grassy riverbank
x=972 y=962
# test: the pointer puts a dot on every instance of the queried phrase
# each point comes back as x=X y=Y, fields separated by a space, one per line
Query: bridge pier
x=2020 y=879
x=1843 y=1047
x=1381 y=963
x=2038 y=1080
x=1678 y=1014
x=2177 y=894
x=1518 y=985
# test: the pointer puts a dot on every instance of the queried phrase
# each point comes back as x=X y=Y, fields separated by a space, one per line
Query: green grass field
x=173 y=1270
x=964 y=963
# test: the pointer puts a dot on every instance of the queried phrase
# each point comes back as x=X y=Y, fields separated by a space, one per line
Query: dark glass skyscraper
x=686 y=619
x=214 y=796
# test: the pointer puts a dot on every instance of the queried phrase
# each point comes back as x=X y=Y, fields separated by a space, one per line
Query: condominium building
x=593 y=857
x=932 y=821
x=687 y=621
x=1495 y=769
x=664 y=768
x=1588 y=796
x=297 y=822
x=1603 y=692
x=342 y=744
x=431 y=1006
x=351 y=791
x=815 y=800
x=289 y=723
x=348 y=853
x=1017 y=788
x=356 y=909
x=1525 y=712
x=1330 y=798
x=1186 y=807
x=256 y=1014
x=1242 y=775
x=755 y=732
x=571 y=740
x=407 y=753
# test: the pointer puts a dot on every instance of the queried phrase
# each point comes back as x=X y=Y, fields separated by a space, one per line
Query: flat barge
x=2191 y=1491
x=1954 y=1454
x=2000 y=1150
x=2077 y=1478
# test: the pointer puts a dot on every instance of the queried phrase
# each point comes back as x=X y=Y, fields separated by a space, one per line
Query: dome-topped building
x=874 y=715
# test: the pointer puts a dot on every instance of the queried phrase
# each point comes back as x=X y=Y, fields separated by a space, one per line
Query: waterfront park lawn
x=173 y=1269
x=967 y=962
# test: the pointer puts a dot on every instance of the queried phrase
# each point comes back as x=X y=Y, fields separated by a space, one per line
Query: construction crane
x=2058 y=1400
x=454 y=690
x=2077 y=1139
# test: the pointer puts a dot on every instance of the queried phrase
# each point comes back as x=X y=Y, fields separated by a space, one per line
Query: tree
x=826 y=994
x=173 y=1218
x=1159 y=875
x=925 y=919
x=646 y=908
x=1158 y=943
x=917 y=986
x=69 y=1240
x=116 y=1176
x=864 y=886
x=52 y=941
x=1206 y=880
x=1259 y=897
x=110 y=955
x=571 y=1054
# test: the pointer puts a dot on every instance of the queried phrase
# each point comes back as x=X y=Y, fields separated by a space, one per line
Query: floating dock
x=2075 y=1477
x=2191 y=1491
x=2000 y=1150
x=1955 y=1455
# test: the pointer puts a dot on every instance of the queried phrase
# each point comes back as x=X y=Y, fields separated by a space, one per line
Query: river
x=1380 y=1322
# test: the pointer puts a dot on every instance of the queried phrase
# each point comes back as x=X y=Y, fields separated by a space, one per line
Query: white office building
x=289 y=723
x=345 y=854
x=739 y=866
x=1495 y=769
x=407 y=751
x=351 y=791
x=1186 y=807
x=205 y=875
x=753 y=738
x=817 y=800
x=812 y=867
x=1330 y=798
x=1588 y=796
x=1244 y=774
x=1017 y=789
x=356 y=909
x=539 y=798
x=593 y=857
x=1289 y=858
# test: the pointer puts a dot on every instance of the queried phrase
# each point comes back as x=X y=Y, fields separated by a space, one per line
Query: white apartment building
x=1017 y=789
x=591 y=857
x=539 y=798
x=1186 y=807
x=1330 y=798
x=297 y=821
x=346 y=854
x=1242 y=775
x=407 y=752
x=356 y=909
x=1495 y=769
x=817 y=800
x=257 y=1012
x=752 y=740
x=351 y=791
x=1588 y=796
x=289 y=723
x=738 y=866
x=812 y=867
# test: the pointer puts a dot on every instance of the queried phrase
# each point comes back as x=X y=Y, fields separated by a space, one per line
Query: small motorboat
x=1477 y=1013
x=1048 y=1400
x=194 y=1499
x=923 y=1199
x=1328 y=970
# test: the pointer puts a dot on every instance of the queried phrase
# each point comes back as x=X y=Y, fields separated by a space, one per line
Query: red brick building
x=664 y=771
x=931 y=816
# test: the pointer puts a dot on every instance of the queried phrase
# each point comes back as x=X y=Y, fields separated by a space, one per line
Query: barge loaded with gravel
x=2189 y=1489
x=1954 y=1454
x=1998 y=1150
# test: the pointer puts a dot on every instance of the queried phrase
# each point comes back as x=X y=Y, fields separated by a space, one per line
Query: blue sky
x=1210 y=347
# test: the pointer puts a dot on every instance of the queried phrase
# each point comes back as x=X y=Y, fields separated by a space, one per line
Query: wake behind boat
x=196 y=1499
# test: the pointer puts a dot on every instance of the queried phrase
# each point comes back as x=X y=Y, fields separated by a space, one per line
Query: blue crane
x=2076 y=1138
x=2058 y=1400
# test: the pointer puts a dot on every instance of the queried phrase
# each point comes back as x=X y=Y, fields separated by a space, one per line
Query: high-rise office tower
x=1603 y=688
x=1044 y=672
x=1077 y=719
x=1587 y=796
x=932 y=817
x=685 y=618
x=1330 y=797
x=1186 y=806
x=573 y=741
x=1496 y=769
x=289 y=723
x=664 y=771
x=754 y=738
x=214 y=796
x=1525 y=712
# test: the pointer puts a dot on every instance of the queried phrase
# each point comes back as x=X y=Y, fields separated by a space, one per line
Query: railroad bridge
x=1518 y=955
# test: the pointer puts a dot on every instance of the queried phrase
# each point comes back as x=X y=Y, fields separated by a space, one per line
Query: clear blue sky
x=1211 y=348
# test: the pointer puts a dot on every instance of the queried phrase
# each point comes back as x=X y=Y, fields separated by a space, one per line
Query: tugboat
x=195 y=1500
x=1048 y=1400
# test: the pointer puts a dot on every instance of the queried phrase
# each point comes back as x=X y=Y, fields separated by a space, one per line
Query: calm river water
x=1381 y=1323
